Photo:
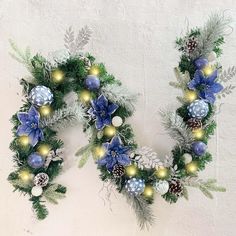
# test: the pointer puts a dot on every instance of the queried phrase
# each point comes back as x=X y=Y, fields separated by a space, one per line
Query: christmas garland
x=72 y=86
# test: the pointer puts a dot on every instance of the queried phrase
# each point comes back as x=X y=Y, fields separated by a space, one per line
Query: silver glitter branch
x=176 y=128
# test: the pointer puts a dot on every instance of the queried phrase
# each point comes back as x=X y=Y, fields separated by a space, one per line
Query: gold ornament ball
x=25 y=175
x=24 y=140
x=45 y=110
x=110 y=131
x=162 y=172
x=85 y=96
x=208 y=70
x=148 y=191
x=192 y=167
x=58 y=76
x=198 y=133
x=190 y=96
x=94 y=70
x=44 y=149
x=99 y=152
x=131 y=170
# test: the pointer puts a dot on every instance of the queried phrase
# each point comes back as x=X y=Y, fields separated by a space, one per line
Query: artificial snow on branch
x=65 y=117
x=206 y=187
x=214 y=28
x=176 y=128
x=120 y=95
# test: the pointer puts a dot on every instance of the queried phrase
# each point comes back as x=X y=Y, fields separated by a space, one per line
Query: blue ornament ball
x=35 y=160
x=199 y=148
x=40 y=96
x=198 y=109
x=200 y=63
x=92 y=82
x=135 y=186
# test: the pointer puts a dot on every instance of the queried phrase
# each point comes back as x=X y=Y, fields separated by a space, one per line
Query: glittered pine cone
x=194 y=123
x=118 y=171
x=176 y=188
x=191 y=44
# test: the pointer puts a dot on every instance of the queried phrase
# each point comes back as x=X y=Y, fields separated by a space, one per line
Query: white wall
x=135 y=40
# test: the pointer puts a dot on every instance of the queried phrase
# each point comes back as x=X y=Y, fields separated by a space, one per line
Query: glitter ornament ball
x=135 y=186
x=41 y=179
x=92 y=82
x=161 y=187
x=36 y=191
x=199 y=148
x=198 y=109
x=41 y=96
x=117 y=121
x=35 y=160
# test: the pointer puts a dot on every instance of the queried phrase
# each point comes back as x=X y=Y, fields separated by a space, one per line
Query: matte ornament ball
x=198 y=109
x=135 y=186
x=41 y=96
x=92 y=82
x=187 y=158
x=199 y=148
x=161 y=187
x=117 y=121
x=35 y=161
x=36 y=191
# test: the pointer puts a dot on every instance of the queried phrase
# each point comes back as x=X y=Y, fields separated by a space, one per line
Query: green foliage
x=186 y=64
x=169 y=197
x=217 y=46
x=39 y=208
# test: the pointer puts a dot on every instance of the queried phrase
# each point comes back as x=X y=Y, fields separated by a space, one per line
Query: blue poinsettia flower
x=30 y=126
x=206 y=86
x=101 y=110
x=116 y=153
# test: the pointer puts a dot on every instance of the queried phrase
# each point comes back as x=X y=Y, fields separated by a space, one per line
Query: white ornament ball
x=41 y=96
x=187 y=158
x=41 y=179
x=161 y=187
x=117 y=121
x=36 y=191
x=212 y=56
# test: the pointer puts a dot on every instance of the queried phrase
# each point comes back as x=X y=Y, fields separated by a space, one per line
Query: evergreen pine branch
x=142 y=209
x=40 y=209
x=52 y=194
x=177 y=128
x=121 y=96
x=65 y=117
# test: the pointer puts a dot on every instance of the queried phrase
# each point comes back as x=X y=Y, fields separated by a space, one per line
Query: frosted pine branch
x=52 y=195
x=121 y=96
x=206 y=187
x=65 y=117
x=142 y=210
x=176 y=128
x=210 y=33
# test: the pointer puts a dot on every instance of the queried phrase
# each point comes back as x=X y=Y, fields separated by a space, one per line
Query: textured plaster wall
x=135 y=40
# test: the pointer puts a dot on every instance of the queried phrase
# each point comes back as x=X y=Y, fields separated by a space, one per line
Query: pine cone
x=176 y=187
x=194 y=123
x=41 y=179
x=191 y=44
x=118 y=171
